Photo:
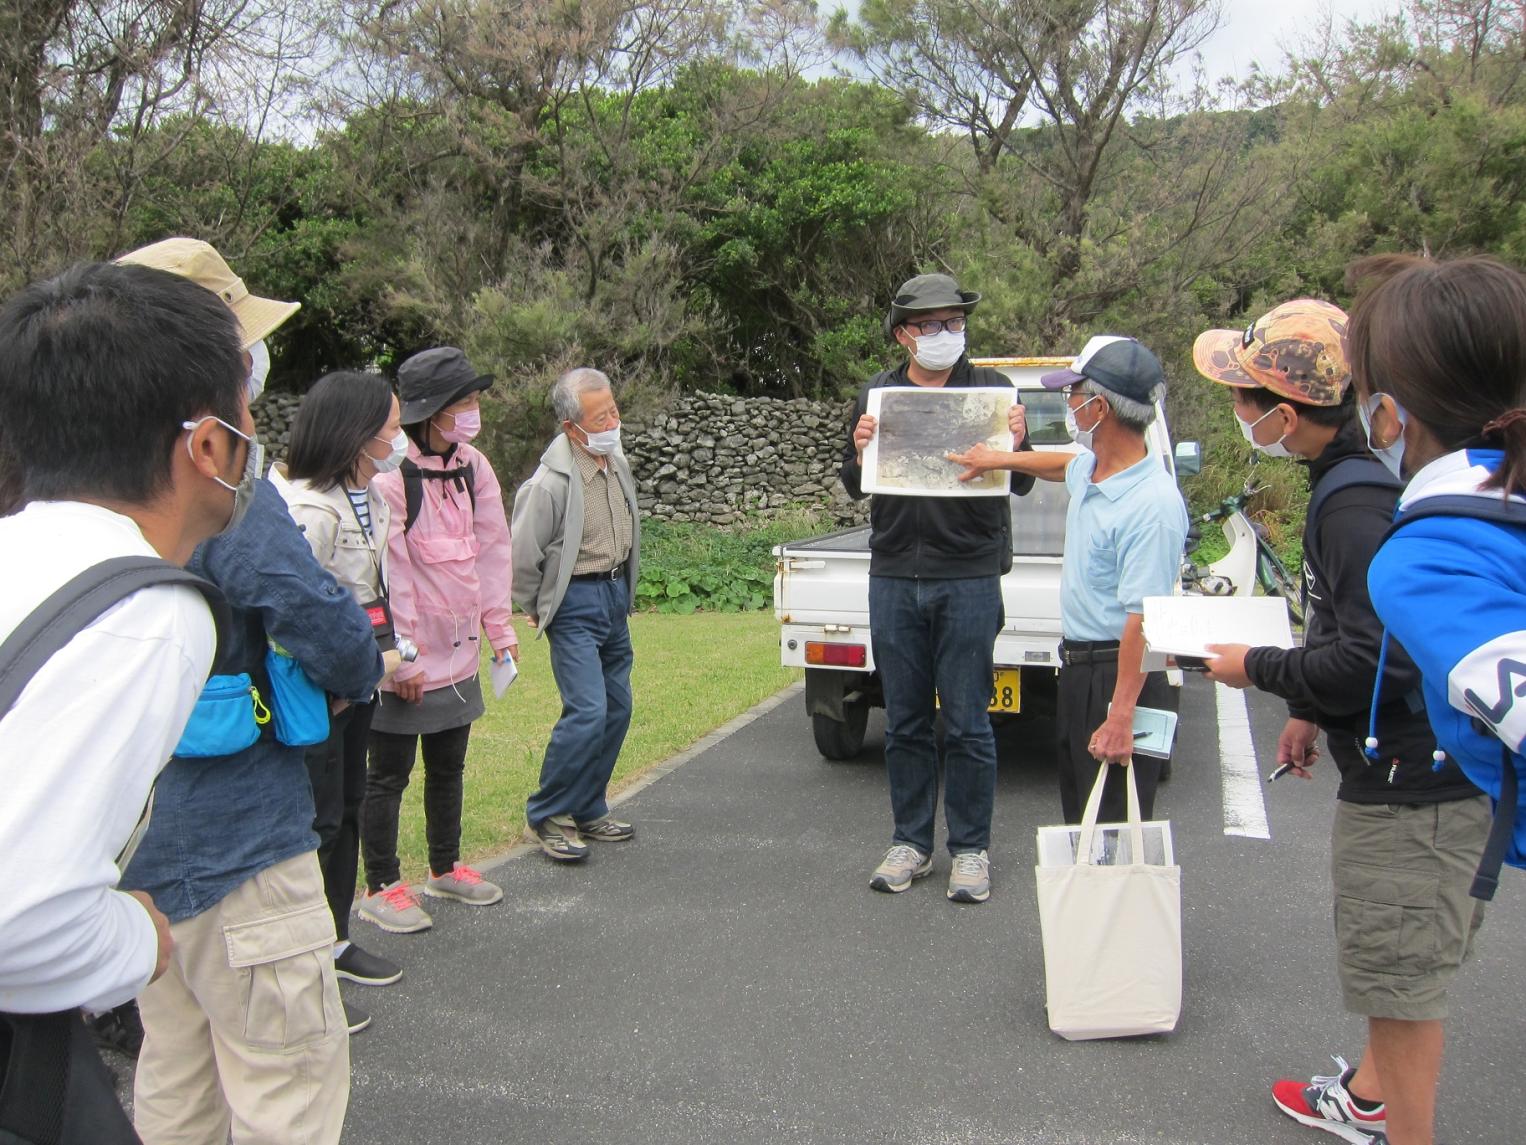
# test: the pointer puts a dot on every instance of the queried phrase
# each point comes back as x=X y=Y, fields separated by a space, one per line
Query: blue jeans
x=936 y=636
x=591 y=659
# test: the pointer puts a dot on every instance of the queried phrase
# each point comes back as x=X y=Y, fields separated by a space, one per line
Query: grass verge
x=692 y=674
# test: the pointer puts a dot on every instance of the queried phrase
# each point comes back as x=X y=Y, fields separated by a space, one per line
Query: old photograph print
x=918 y=427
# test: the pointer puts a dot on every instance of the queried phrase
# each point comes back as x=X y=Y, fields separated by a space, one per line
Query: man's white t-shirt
x=79 y=752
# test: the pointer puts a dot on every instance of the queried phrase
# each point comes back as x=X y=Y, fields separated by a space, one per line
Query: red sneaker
x=1325 y=1103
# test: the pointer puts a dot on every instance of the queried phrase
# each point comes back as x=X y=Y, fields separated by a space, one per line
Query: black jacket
x=937 y=538
x=1329 y=679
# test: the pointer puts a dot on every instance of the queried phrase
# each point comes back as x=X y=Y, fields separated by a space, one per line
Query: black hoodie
x=936 y=538
x=1329 y=679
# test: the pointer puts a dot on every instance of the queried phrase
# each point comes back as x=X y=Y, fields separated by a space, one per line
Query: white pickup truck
x=821 y=588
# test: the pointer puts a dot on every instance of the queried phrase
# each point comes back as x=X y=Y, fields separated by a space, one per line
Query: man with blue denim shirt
x=231 y=858
x=577 y=549
x=245 y=1032
x=1125 y=530
x=935 y=567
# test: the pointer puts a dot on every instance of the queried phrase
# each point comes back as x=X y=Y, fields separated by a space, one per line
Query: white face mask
x=938 y=351
x=1082 y=437
x=259 y=369
x=603 y=443
x=1391 y=455
x=1275 y=449
x=254 y=467
x=399 y=446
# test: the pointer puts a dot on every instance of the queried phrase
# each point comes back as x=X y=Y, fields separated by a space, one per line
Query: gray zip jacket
x=548 y=531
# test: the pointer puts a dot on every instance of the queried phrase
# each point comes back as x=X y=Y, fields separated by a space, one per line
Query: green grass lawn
x=692 y=674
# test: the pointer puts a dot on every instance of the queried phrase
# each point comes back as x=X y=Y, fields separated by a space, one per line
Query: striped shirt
x=606 y=539
x=360 y=501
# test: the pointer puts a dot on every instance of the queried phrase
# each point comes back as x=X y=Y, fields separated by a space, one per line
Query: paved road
x=729 y=977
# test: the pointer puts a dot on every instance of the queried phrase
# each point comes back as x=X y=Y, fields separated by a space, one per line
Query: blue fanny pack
x=227 y=718
x=301 y=708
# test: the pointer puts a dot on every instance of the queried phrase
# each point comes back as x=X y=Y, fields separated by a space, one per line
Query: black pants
x=54 y=1088
x=1085 y=690
x=392 y=756
x=337 y=771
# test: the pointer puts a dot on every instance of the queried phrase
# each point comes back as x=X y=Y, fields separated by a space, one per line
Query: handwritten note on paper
x=1186 y=625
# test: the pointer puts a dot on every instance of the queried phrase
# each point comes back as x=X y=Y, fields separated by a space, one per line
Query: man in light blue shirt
x=1124 y=534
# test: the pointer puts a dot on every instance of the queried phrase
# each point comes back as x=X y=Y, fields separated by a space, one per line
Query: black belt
x=616 y=573
x=1088 y=651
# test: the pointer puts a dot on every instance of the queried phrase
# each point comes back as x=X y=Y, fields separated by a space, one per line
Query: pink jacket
x=450 y=574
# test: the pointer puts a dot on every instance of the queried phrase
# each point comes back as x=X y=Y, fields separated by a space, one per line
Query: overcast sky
x=1252 y=31
x=1256 y=31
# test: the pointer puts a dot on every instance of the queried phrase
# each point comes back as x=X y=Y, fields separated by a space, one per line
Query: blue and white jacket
x=1452 y=590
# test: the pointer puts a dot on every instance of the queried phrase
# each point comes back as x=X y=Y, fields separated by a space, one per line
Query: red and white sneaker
x=1325 y=1103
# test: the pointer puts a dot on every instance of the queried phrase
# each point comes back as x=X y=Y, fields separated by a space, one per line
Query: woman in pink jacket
x=448 y=556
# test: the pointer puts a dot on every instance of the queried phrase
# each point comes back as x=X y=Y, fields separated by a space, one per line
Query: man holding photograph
x=935 y=608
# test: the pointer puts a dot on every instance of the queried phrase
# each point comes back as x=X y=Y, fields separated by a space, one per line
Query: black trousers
x=392 y=756
x=1085 y=690
x=54 y=1088
x=337 y=770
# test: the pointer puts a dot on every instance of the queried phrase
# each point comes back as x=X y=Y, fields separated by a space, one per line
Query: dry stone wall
x=707 y=458
x=718 y=460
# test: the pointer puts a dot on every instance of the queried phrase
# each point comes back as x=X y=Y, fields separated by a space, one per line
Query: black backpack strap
x=1349 y=471
x=413 y=487
x=1501 y=831
x=1496 y=509
x=78 y=602
x=413 y=493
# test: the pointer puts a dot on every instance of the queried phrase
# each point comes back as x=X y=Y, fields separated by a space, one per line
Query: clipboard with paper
x=1184 y=626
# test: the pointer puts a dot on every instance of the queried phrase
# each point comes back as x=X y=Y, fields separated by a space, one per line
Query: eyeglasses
x=930 y=326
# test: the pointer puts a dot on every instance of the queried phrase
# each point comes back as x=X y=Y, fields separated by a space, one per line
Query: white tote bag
x=1112 y=932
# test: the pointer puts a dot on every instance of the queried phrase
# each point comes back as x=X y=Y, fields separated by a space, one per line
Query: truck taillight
x=836 y=655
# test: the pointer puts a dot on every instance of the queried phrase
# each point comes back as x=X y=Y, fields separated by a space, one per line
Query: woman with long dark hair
x=1438 y=357
x=347 y=430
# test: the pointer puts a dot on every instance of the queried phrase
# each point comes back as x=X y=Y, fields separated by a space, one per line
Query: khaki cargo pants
x=245 y=1032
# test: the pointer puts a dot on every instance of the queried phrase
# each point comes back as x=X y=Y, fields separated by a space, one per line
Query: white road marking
x=1244 y=805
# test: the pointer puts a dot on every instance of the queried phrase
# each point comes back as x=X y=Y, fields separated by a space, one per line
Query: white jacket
x=327 y=519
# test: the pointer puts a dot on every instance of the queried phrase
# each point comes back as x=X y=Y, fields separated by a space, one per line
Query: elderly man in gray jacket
x=577 y=540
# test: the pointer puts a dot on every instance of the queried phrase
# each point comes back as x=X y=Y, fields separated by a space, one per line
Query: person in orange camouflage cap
x=1402 y=826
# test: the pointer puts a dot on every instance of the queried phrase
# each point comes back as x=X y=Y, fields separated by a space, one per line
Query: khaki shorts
x=1404 y=921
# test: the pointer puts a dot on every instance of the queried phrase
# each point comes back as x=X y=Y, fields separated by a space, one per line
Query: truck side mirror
x=1189 y=459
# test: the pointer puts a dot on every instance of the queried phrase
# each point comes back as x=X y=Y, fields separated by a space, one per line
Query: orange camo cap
x=1296 y=350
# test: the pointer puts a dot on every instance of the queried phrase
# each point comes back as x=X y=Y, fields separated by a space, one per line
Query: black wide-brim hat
x=433 y=379
x=928 y=292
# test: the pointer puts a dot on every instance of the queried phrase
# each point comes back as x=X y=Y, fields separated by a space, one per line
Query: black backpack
x=413 y=486
x=75 y=604
x=1348 y=471
x=53 y=1085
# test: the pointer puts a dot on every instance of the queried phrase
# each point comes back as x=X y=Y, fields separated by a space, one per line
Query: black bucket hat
x=433 y=379
x=928 y=292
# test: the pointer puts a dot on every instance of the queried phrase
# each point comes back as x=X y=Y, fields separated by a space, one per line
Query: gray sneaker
x=394 y=908
x=464 y=885
x=560 y=840
x=898 y=868
x=970 y=880
x=605 y=829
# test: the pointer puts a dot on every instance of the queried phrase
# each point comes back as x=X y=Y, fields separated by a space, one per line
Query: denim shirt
x=218 y=822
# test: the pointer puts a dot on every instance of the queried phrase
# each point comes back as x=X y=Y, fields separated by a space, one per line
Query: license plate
x=1005 y=695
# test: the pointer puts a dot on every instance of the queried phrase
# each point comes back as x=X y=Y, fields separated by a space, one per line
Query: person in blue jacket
x=245 y=1033
x=1438 y=357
